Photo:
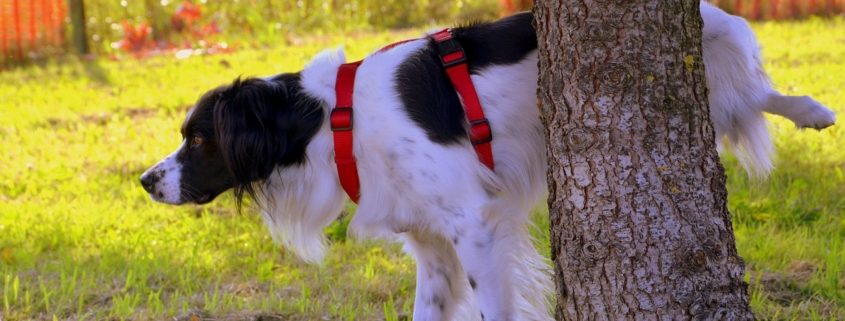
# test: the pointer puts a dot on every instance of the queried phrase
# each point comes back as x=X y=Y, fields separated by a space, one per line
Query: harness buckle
x=480 y=132
x=453 y=59
x=451 y=52
x=341 y=119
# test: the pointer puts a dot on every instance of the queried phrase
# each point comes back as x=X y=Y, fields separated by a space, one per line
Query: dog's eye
x=196 y=141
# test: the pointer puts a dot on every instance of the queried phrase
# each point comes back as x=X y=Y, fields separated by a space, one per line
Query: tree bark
x=639 y=222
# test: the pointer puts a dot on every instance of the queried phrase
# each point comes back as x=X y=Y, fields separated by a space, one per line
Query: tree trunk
x=77 y=20
x=640 y=227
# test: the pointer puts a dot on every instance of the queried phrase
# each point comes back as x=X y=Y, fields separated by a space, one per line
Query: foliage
x=34 y=29
x=271 y=22
x=79 y=239
x=781 y=9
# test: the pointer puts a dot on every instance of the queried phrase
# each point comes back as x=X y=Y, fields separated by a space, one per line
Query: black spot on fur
x=427 y=93
x=429 y=176
x=472 y=283
x=439 y=302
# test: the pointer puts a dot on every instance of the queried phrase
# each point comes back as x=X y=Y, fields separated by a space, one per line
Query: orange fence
x=27 y=25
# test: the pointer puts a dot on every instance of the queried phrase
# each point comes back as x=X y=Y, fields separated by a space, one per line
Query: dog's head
x=235 y=137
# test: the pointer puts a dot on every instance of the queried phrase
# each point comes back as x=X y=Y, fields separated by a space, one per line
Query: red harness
x=453 y=58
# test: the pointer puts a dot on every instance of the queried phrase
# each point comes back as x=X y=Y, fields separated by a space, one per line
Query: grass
x=79 y=239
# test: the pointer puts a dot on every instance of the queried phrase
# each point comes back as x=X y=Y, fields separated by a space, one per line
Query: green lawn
x=79 y=239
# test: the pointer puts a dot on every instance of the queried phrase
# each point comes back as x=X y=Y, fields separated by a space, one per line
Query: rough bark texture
x=640 y=227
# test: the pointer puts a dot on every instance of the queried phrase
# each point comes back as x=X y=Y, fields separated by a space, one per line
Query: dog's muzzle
x=163 y=181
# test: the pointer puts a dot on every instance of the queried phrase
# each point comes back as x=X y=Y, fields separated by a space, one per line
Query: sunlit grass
x=790 y=228
x=80 y=239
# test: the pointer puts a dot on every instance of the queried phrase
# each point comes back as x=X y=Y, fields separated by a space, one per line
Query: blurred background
x=93 y=92
x=38 y=29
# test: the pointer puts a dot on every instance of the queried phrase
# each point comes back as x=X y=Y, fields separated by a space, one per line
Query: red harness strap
x=341 y=121
x=454 y=61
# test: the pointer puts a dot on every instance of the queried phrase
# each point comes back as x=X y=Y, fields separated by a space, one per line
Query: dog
x=421 y=181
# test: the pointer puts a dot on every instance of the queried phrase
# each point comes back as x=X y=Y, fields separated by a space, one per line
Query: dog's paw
x=817 y=116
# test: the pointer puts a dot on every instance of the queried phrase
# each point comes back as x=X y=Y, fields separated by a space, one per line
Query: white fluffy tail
x=533 y=281
x=739 y=88
x=749 y=139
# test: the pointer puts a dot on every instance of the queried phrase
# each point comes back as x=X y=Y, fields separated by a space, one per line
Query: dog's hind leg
x=801 y=110
x=738 y=88
x=532 y=278
x=441 y=284
x=485 y=257
x=508 y=277
x=740 y=91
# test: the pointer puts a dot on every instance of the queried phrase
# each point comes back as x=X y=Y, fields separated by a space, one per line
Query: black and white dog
x=420 y=178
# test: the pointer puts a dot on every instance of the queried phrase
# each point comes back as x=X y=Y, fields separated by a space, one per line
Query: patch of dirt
x=791 y=291
x=267 y=317
x=194 y=315
x=102 y=118
x=139 y=113
x=199 y=315
x=96 y=118
x=216 y=210
x=245 y=288
x=124 y=169
x=789 y=287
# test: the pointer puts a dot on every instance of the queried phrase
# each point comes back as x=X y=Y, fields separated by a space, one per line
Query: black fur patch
x=426 y=91
x=501 y=42
x=249 y=128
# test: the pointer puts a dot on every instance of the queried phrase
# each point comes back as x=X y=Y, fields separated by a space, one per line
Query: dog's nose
x=148 y=181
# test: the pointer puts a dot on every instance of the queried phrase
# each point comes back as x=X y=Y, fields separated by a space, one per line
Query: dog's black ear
x=248 y=125
x=262 y=124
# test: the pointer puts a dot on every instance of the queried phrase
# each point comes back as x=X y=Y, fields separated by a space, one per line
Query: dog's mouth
x=159 y=197
x=184 y=199
x=200 y=199
x=203 y=199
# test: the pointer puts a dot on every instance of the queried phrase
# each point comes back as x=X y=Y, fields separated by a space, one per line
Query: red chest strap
x=341 y=122
x=454 y=62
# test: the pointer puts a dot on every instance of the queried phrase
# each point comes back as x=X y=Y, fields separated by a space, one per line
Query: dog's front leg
x=440 y=281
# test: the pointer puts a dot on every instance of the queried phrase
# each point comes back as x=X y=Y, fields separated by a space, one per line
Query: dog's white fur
x=456 y=216
x=460 y=220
